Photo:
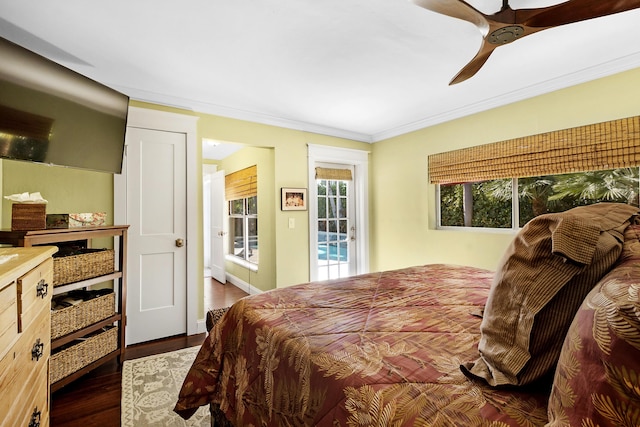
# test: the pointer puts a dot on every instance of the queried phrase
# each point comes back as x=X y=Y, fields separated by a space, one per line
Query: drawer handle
x=37 y=351
x=35 y=418
x=42 y=289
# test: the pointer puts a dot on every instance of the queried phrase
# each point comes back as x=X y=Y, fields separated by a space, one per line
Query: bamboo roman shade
x=241 y=184
x=600 y=146
x=334 y=174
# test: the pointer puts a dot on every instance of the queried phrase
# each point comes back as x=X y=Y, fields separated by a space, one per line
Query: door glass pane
x=322 y=187
x=342 y=213
x=322 y=207
x=333 y=229
x=344 y=224
x=332 y=211
x=343 y=188
x=343 y=253
x=323 y=251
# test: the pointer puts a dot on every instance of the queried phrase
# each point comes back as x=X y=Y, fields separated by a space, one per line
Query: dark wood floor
x=94 y=399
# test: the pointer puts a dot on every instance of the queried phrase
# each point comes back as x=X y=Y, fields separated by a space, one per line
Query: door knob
x=179 y=243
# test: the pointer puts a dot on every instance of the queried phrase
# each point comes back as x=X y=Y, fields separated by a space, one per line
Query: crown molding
x=592 y=73
x=233 y=113
x=583 y=76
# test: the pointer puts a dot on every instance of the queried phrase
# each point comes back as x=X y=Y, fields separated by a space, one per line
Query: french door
x=335 y=224
x=338 y=212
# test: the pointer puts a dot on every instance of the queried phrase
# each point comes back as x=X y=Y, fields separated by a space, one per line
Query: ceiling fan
x=508 y=25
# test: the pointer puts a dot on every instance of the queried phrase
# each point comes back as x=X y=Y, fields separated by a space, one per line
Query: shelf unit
x=86 y=234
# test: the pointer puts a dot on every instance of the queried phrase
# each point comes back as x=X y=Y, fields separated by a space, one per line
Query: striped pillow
x=550 y=267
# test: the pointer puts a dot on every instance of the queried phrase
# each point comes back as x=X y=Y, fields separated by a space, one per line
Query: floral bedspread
x=381 y=349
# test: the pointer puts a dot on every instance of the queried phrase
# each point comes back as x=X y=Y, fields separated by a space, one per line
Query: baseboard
x=201 y=327
x=242 y=285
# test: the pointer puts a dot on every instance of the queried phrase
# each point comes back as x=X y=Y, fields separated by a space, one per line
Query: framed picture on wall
x=294 y=199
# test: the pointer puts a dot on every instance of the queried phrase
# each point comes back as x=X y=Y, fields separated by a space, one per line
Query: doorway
x=338 y=212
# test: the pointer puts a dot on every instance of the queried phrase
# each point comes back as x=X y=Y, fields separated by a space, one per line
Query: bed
x=382 y=358
x=401 y=348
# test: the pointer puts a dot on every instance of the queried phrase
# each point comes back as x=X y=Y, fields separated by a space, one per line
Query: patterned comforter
x=380 y=349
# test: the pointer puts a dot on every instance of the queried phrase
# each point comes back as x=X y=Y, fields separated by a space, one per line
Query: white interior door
x=156 y=203
x=217 y=227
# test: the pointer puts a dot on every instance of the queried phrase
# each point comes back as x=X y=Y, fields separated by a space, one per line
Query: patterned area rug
x=150 y=387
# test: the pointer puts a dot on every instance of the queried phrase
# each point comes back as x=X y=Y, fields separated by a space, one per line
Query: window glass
x=476 y=204
x=236 y=207
x=489 y=204
x=243 y=229
x=252 y=205
x=558 y=193
x=253 y=240
x=236 y=235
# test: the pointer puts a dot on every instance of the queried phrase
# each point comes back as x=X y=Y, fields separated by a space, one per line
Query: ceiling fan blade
x=573 y=11
x=457 y=9
x=475 y=64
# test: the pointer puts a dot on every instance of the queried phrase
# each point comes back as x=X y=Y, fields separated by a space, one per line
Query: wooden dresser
x=26 y=276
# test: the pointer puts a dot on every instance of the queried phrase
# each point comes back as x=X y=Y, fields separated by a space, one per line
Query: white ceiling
x=360 y=69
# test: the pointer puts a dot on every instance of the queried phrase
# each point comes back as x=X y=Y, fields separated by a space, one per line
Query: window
x=241 y=192
x=492 y=204
x=243 y=229
x=505 y=184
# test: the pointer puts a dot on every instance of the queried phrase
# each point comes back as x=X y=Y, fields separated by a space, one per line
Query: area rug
x=150 y=387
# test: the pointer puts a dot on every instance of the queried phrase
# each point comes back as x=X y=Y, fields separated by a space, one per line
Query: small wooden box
x=28 y=216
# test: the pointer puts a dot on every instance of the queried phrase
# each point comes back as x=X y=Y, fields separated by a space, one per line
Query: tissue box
x=75 y=220
x=28 y=216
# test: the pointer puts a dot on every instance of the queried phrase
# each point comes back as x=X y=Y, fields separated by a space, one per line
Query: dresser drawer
x=34 y=293
x=33 y=409
x=29 y=355
x=8 y=316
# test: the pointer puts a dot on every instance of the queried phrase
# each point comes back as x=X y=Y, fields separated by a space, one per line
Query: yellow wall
x=263 y=158
x=290 y=170
x=403 y=203
x=67 y=190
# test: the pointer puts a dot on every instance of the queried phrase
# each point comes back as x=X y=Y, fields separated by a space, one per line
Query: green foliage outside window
x=490 y=203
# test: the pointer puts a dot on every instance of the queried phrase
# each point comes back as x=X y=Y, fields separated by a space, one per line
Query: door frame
x=359 y=159
x=179 y=123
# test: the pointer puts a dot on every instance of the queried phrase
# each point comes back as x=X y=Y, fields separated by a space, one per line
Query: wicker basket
x=75 y=317
x=76 y=357
x=74 y=268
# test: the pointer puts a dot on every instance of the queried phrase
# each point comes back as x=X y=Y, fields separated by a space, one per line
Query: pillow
x=597 y=377
x=551 y=265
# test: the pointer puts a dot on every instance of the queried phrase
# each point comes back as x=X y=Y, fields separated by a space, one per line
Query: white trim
x=234 y=113
x=172 y=122
x=242 y=285
x=202 y=326
x=605 y=69
x=242 y=262
x=360 y=160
